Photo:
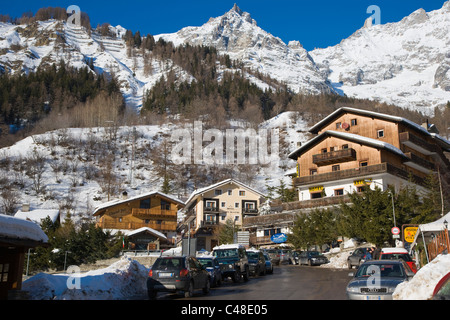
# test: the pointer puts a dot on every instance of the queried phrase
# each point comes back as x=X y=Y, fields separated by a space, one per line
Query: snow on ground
x=421 y=287
x=122 y=280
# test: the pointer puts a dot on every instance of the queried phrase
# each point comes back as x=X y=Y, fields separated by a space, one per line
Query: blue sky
x=313 y=23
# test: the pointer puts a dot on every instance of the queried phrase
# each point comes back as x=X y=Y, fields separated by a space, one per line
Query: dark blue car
x=212 y=266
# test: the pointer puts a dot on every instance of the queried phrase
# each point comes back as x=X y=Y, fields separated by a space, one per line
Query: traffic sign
x=395 y=230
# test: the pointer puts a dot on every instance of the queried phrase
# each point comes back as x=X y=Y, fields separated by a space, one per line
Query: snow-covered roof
x=351 y=137
x=20 y=229
x=315 y=128
x=152 y=231
x=38 y=215
x=229 y=246
x=216 y=185
x=141 y=196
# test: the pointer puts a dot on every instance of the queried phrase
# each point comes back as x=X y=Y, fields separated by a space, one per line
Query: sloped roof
x=13 y=228
x=349 y=137
x=444 y=143
x=141 y=196
x=145 y=229
x=216 y=185
x=37 y=215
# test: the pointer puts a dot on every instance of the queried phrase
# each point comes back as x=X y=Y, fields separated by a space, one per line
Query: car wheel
x=207 y=286
x=247 y=274
x=152 y=294
x=190 y=292
x=237 y=276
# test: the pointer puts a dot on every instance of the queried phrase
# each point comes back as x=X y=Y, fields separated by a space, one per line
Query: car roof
x=383 y=261
x=394 y=250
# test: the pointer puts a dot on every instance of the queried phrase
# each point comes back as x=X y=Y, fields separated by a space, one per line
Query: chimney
x=124 y=195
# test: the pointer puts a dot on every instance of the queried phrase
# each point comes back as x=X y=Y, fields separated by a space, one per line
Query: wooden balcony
x=355 y=173
x=152 y=213
x=258 y=241
x=419 y=163
x=416 y=143
x=163 y=226
x=344 y=155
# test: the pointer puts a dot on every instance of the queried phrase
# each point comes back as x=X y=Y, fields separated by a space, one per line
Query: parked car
x=233 y=261
x=312 y=258
x=177 y=274
x=213 y=267
x=285 y=256
x=269 y=265
x=357 y=257
x=398 y=253
x=274 y=256
x=256 y=262
x=377 y=279
x=442 y=289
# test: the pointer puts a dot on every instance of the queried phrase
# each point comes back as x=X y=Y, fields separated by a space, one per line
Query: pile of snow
x=120 y=281
x=337 y=259
x=422 y=285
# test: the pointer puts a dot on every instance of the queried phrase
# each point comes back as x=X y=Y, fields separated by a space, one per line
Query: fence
x=439 y=244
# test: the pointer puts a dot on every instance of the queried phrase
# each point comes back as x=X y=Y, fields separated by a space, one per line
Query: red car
x=398 y=253
x=442 y=289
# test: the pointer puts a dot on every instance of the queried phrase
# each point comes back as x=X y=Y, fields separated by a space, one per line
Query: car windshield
x=206 y=262
x=315 y=253
x=253 y=255
x=384 y=270
x=168 y=263
x=226 y=253
x=396 y=256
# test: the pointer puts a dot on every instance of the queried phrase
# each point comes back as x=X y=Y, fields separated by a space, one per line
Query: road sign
x=410 y=233
x=395 y=230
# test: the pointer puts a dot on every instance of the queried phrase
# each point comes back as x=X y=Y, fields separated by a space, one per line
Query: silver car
x=377 y=279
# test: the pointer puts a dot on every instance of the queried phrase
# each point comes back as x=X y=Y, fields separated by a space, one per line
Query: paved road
x=288 y=282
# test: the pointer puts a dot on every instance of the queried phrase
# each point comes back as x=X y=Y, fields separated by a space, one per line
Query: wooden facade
x=154 y=210
x=352 y=143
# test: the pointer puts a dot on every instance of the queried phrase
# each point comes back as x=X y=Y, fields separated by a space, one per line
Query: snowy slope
x=238 y=35
x=404 y=63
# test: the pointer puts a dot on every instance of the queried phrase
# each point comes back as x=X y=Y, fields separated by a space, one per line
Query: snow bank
x=120 y=281
x=422 y=285
x=15 y=228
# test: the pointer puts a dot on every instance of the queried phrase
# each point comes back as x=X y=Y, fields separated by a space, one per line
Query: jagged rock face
x=238 y=35
x=403 y=63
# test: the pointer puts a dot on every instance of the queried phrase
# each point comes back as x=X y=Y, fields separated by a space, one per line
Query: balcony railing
x=337 y=156
x=163 y=226
x=424 y=165
x=151 y=213
x=357 y=172
x=417 y=143
x=210 y=209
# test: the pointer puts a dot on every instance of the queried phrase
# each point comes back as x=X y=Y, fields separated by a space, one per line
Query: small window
x=353 y=122
x=316 y=195
x=336 y=167
x=230 y=192
x=4 y=270
x=344 y=146
x=339 y=192
x=380 y=133
x=218 y=192
x=363 y=164
x=312 y=172
x=145 y=204
x=223 y=204
x=338 y=125
x=331 y=149
x=236 y=204
x=242 y=193
x=324 y=150
x=361 y=188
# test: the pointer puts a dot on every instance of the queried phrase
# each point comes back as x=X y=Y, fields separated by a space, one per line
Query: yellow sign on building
x=410 y=233
x=316 y=189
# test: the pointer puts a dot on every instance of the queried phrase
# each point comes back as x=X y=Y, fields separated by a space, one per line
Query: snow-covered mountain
x=238 y=35
x=406 y=63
